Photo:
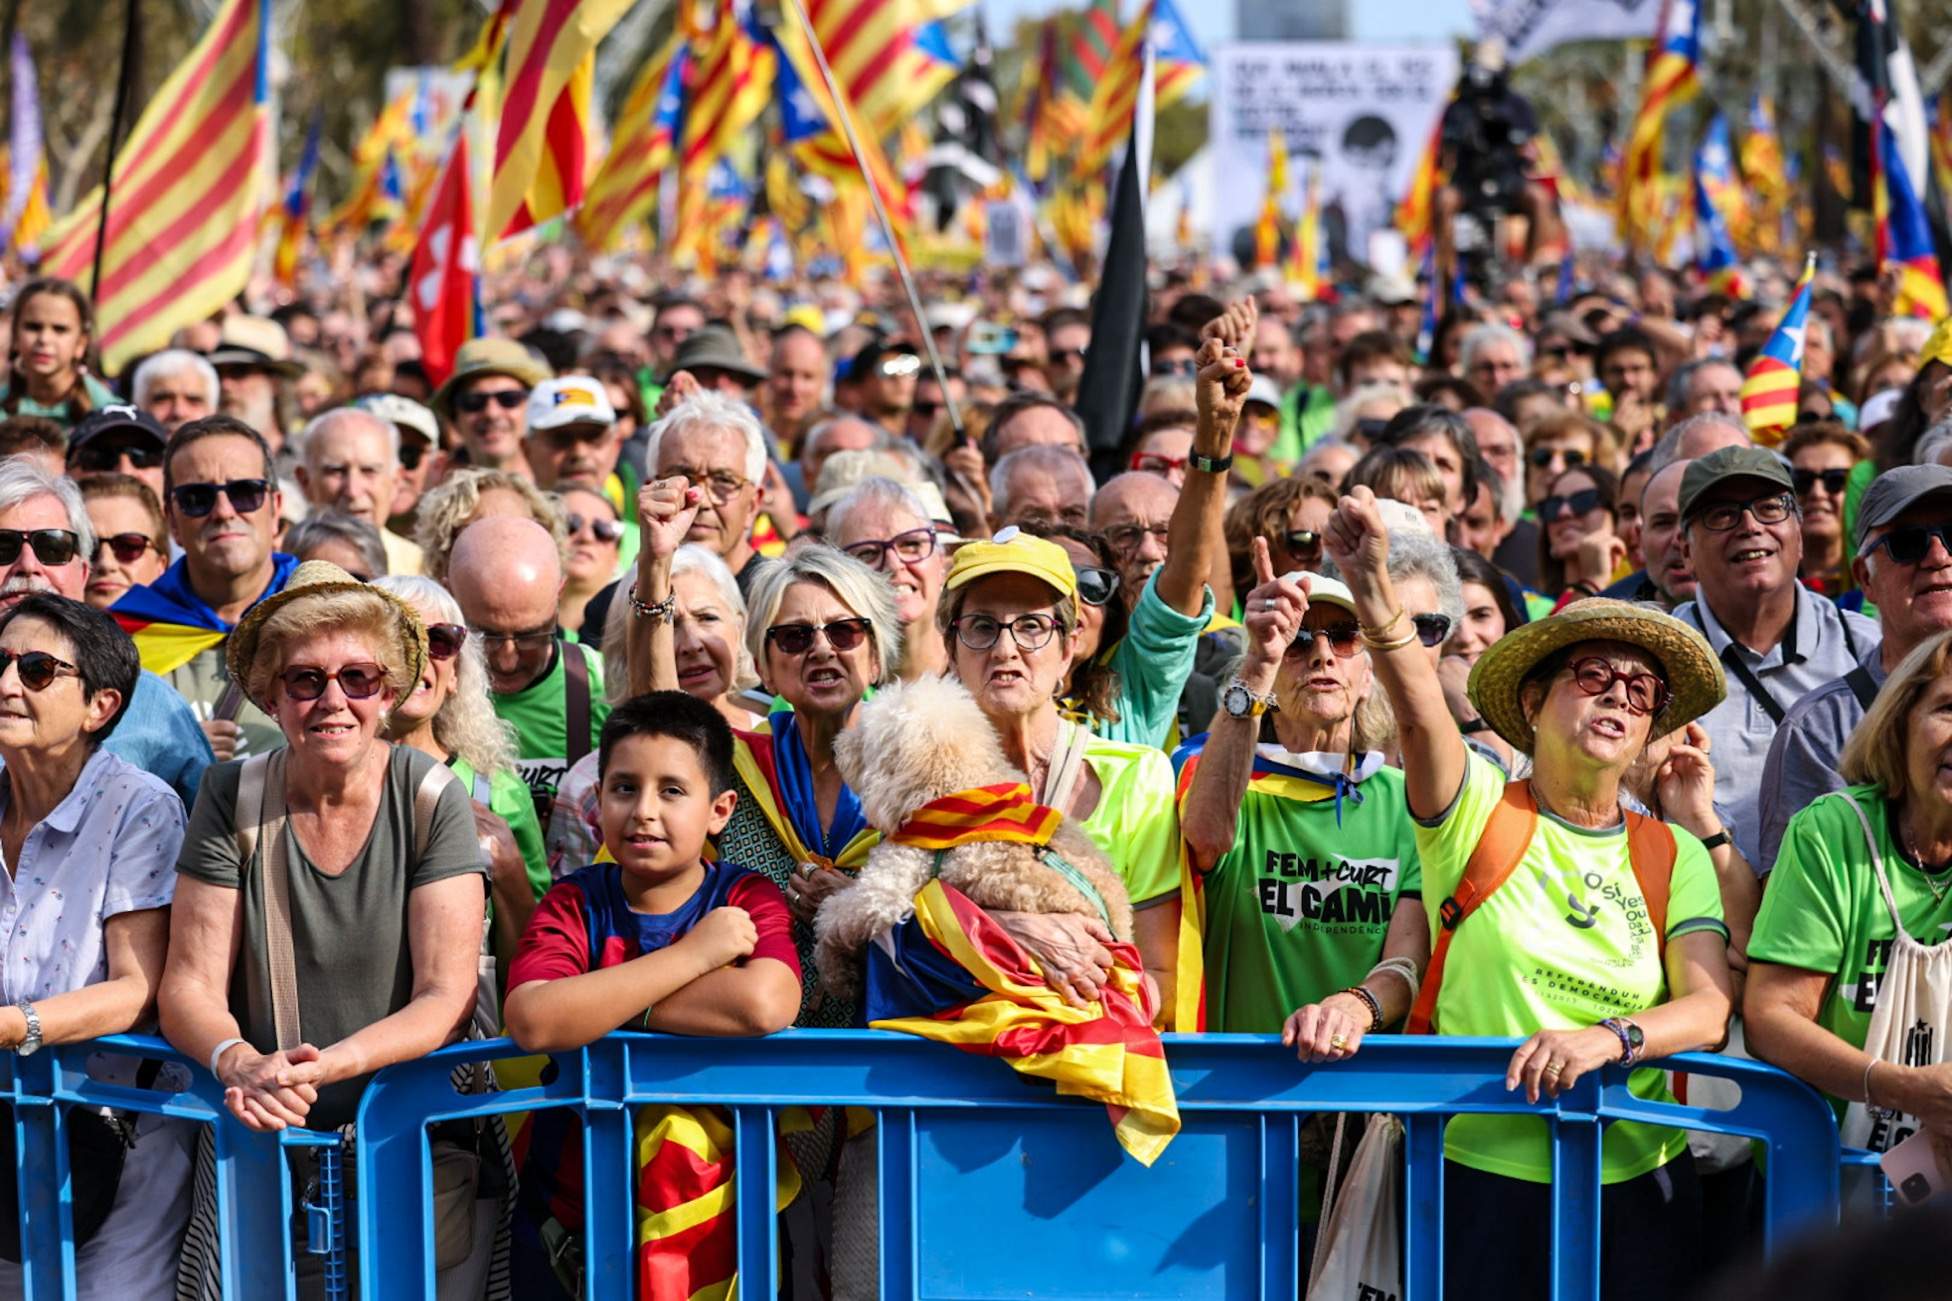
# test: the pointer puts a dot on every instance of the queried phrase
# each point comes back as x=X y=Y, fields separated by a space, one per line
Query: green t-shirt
x=1823 y=910
x=1135 y=823
x=1298 y=908
x=509 y=799
x=1563 y=944
x=539 y=713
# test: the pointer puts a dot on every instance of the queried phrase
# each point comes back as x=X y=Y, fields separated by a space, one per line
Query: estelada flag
x=1775 y=376
x=171 y=625
x=446 y=260
x=951 y=974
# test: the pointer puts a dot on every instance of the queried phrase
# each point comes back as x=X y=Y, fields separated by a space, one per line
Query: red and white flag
x=446 y=261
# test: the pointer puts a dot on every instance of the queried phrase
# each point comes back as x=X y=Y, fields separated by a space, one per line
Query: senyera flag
x=446 y=261
x=1775 y=376
x=190 y=188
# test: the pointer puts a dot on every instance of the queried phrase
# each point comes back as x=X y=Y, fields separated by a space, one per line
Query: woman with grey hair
x=887 y=527
x=448 y=715
x=344 y=540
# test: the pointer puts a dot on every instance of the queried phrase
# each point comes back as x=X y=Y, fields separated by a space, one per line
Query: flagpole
x=114 y=140
x=881 y=216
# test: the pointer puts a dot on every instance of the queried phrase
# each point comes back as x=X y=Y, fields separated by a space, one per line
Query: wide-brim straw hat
x=316 y=578
x=1694 y=676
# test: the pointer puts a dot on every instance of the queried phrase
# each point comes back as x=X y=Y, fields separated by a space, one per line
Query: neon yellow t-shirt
x=1563 y=944
x=1136 y=822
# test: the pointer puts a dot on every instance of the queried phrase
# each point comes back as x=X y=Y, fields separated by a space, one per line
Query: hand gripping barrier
x=255 y=1199
x=991 y=1186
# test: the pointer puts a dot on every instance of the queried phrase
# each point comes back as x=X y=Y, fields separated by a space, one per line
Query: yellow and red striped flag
x=1003 y=812
x=1775 y=377
x=1304 y=273
x=541 y=147
x=377 y=194
x=730 y=81
x=191 y=183
x=889 y=56
x=1672 y=79
x=641 y=147
x=1267 y=229
x=1115 y=96
x=1416 y=215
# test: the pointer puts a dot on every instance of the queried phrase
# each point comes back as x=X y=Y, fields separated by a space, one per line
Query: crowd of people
x=1510 y=688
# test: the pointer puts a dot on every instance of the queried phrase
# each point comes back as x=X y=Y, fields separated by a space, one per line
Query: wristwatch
x=1240 y=700
x=1632 y=1038
x=32 y=1043
x=1210 y=464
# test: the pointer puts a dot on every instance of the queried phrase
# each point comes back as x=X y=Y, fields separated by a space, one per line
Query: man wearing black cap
x=1777 y=640
x=884 y=374
x=118 y=439
x=1903 y=562
x=711 y=355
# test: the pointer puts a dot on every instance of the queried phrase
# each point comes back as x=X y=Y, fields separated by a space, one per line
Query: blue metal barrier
x=991 y=1185
x=254 y=1192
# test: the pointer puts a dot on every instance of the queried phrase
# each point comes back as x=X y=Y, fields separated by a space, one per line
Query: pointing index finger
x=1263 y=563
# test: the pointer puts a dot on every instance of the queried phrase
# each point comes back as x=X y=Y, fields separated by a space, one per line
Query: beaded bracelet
x=1368 y=1001
x=658 y=611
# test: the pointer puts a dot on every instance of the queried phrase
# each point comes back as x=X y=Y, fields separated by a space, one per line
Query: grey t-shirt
x=349 y=932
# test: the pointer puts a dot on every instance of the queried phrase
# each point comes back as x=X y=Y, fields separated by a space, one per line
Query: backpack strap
x=1505 y=838
x=1862 y=685
x=426 y=798
x=576 y=701
x=1651 y=849
x=270 y=819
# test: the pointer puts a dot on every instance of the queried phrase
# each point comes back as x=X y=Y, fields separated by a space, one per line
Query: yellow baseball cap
x=1939 y=346
x=1012 y=551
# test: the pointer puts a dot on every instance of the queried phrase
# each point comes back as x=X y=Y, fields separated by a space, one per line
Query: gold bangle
x=1377 y=644
x=1381 y=630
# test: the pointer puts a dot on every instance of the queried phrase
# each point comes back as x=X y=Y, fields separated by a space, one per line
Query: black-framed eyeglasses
x=1594 y=676
x=1129 y=537
x=980 y=632
x=1579 y=503
x=722 y=485
x=104 y=456
x=1432 y=629
x=532 y=640
x=797 y=638
x=51 y=546
x=445 y=640
x=1095 y=585
x=1303 y=544
x=909 y=547
x=38 y=669
x=1567 y=456
x=603 y=530
x=198 y=499
x=1342 y=637
x=1833 y=481
x=508 y=399
x=127 y=548
x=1911 y=544
x=359 y=681
x=1726 y=515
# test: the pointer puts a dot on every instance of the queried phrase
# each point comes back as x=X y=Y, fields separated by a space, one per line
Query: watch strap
x=1717 y=840
x=1209 y=464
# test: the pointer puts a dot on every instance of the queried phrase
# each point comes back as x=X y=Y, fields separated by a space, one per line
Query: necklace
x=1938 y=876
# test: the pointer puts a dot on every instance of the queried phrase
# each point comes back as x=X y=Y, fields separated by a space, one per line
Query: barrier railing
x=988 y=1184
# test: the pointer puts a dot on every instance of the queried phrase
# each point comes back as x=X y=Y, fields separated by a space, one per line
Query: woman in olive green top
x=1849 y=958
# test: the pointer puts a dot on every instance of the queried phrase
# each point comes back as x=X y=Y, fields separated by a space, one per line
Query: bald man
x=506 y=573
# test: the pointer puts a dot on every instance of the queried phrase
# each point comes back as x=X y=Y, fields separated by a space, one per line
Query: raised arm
x=1432 y=747
x=665 y=509
x=1193 y=538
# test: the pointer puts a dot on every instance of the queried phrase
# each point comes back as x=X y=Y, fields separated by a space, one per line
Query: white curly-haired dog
x=913 y=743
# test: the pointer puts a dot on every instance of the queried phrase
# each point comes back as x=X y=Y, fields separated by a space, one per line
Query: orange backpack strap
x=1651 y=849
x=1506 y=836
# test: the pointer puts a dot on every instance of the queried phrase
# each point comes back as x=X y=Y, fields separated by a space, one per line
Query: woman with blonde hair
x=471 y=494
x=1848 y=963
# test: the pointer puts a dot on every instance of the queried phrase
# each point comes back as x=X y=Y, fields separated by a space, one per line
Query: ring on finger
x=1338 y=1042
x=1553 y=1068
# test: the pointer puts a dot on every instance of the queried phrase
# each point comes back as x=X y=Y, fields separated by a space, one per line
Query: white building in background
x=1291 y=20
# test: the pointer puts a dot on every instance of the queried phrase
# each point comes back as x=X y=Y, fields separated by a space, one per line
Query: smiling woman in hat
x=1601 y=936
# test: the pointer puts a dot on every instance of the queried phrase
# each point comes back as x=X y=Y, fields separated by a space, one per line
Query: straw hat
x=1694 y=676
x=323 y=578
x=488 y=355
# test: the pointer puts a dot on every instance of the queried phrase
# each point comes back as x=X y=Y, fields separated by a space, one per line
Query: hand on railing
x=268 y=1091
x=1551 y=1061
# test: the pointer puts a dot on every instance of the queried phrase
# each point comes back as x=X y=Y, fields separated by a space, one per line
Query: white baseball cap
x=403 y=412
x=569 y=400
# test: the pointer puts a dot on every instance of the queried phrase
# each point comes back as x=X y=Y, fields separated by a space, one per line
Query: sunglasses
x=357 y=681
x=1646 y=693
x=126 y=547
x=1568 y=456
x=198 y=499
x=51 y=546
x=1370 y=428
x=1586 y=499
x=475 y=403
x=1186 y=367
x=1723 y=516
x=1154 y=463
x=1067 y=354
x=912 y=547
x=103 y=457
x=1908 y=546
x=1342 y=638
x=926 y=410
x=842 y=635
x=1303 y=544
x=1096 y=586
x=411 y=454
x=898 y=366
x=445 y=640
x=1432 y=629
x=37 y=668
x=1833 y=481
x=603 y=530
